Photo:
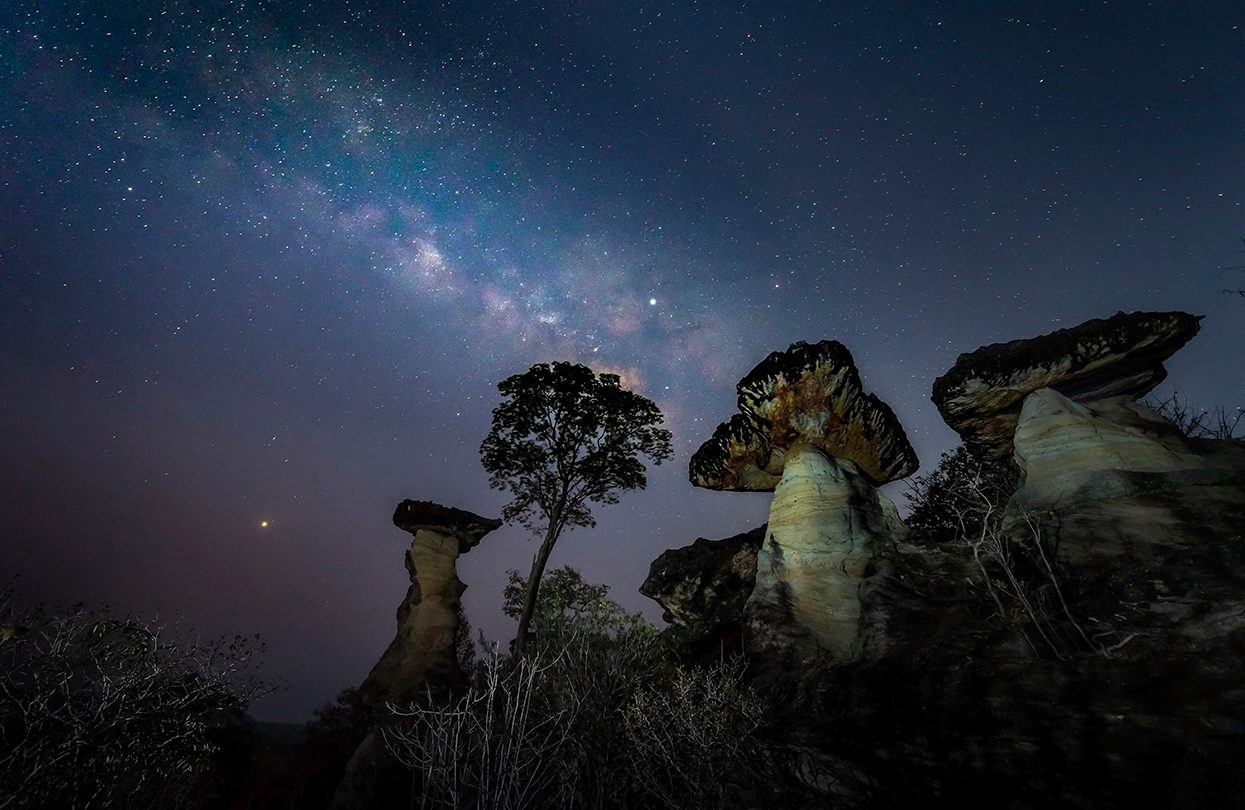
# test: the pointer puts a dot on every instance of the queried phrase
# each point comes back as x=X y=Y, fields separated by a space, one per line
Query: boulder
x=702 y=589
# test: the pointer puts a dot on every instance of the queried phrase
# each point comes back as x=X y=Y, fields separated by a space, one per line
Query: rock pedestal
x=422 y=658
x=1107 y=669
x=424 y=650
x=824 y=522
x=807 y=431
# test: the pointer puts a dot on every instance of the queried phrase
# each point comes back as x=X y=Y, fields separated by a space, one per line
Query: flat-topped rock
x=808 y=432
x=422 y=659
x=447 y=521
x=981 y=396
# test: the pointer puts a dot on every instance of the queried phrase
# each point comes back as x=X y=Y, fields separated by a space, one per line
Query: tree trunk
x=533 y=587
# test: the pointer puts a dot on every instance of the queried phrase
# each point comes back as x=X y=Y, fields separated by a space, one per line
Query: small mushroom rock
x=422 y=656
x=808 y=432
x=980 y=397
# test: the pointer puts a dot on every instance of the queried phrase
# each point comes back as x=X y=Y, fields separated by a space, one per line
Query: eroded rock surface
x=810 y=393
x=1117 y=681
x=423 y=653
x=981 y=396
x=825 y=522
x=702 y=588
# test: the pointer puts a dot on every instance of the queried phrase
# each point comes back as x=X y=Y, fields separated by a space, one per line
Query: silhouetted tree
x=565 y=437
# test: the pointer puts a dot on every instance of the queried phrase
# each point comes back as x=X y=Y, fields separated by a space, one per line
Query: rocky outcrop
x=981 y=396
x=424 y=651
x=807 y=431
x=1071 y=453
x=1117 y=685
x=702 y=589
x=1086 y=652
x=422 y=657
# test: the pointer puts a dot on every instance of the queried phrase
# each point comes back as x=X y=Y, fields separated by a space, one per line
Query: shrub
x=558 y=726
x=963 y=492
x=692 y=738
x=97 y=711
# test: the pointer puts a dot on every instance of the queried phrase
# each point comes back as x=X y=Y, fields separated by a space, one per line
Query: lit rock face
x=825 y=520
x=422 y=656
x=1070 y=452
x=1139 y=700
x=1113 y=480
x=811 y=393
x=807 y=431
x=981 y=396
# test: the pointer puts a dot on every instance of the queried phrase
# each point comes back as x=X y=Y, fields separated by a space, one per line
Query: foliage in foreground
x=962 y=504
x=97 y=711
x=1200 y=423
x=583 y=719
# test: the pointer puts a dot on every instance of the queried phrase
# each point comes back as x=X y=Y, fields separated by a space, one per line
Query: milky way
x=267 y=261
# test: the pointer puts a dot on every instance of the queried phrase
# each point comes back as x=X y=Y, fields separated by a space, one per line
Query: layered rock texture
x=424 y=651
x=1086 y=651
x=807 y=431
x=702 y=589
x=422 y=657
x=981 y=396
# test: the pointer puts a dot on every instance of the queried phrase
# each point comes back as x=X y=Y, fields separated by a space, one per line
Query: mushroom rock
x=807 y=431
x=423 y=654
x=982 y=395
x=702 y=588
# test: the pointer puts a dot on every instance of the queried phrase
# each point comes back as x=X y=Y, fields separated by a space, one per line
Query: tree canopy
x=563 y=438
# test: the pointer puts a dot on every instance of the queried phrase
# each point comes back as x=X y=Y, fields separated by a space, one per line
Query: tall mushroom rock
x=807 y=432
x=423 y=654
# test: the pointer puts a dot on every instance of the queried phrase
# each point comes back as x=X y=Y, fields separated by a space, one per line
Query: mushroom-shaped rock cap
x=980 y=397
x=468 y=527
x=810 y=393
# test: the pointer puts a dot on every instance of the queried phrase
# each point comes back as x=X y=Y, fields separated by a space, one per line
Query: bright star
x=652 y=302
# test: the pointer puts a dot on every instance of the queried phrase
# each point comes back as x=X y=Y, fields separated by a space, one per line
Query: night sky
x=266 y=261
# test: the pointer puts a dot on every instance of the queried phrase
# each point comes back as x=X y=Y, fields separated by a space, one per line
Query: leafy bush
x=97 y=711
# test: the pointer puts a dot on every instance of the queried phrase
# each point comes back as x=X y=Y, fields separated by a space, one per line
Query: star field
x=263 y=263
